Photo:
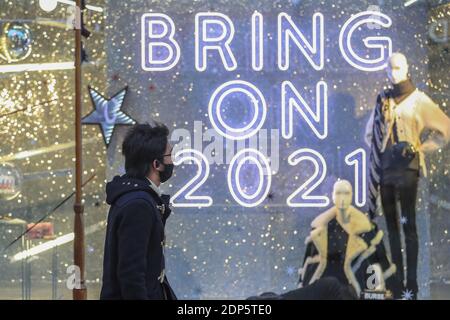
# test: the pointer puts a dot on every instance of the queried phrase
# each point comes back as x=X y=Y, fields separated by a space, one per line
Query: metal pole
x=79 y=292
x=24 y=274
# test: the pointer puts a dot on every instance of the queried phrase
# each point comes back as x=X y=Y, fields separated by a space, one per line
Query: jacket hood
x=121 y=185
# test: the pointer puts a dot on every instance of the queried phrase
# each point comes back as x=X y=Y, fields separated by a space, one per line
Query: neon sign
x=214 y=35
x=214 y=31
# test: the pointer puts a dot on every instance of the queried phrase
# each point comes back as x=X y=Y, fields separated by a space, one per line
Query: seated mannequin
x=346 y=245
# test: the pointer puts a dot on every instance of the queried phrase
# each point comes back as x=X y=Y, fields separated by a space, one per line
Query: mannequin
x=397 y=157
x=344 y=244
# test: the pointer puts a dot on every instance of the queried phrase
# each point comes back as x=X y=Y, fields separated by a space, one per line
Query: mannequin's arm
x=434 y=119
x=306 y=271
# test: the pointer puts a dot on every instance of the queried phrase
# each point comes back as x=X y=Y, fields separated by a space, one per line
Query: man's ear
x=156 y=164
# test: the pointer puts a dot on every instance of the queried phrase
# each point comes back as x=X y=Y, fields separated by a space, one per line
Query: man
x=134 y=266
x=397 y=158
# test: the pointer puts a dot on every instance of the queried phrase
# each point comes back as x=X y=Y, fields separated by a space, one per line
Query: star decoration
x=403 y=220
x=270 y=196
x=107 y=113
x=407 y=295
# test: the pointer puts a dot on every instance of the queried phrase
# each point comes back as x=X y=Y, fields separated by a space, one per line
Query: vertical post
x=24 y=274
x=79 y=292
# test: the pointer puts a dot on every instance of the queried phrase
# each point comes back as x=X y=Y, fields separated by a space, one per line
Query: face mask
x=166 y=173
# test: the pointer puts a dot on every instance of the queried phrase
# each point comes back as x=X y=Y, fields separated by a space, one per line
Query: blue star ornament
x=407 y=295
x=107 y=113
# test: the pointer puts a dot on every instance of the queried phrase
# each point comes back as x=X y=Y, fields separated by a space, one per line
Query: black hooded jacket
x=133 y=265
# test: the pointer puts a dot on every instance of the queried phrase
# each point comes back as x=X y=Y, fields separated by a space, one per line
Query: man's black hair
x=142 y=145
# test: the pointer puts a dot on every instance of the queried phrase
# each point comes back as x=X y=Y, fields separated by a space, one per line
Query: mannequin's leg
x=408 y=195
x=388 y=202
